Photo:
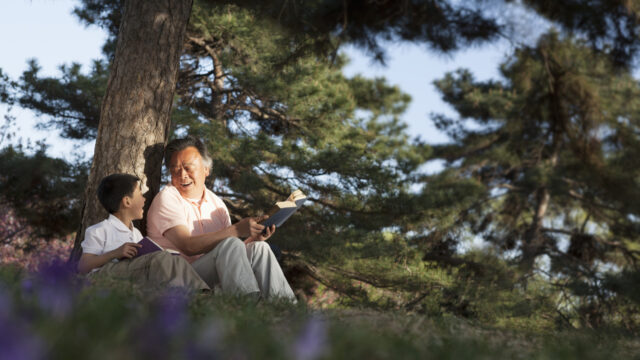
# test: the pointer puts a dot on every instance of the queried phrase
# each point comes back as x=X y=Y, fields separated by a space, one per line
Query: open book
x=149 y=246
x=284 y=209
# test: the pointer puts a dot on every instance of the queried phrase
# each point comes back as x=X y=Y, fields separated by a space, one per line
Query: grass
x=53 y=314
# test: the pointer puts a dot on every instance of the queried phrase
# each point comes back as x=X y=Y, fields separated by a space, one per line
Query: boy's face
x=137 y=202
x=188 y=173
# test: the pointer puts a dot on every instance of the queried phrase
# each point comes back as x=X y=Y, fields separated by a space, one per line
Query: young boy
x=109 y=246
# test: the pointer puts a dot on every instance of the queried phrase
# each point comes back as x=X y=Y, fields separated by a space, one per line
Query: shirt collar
x=119 y=225
x=205 y=198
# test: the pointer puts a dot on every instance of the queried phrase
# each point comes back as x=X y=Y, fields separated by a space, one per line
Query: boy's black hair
x=113 y=188
x=177 y=145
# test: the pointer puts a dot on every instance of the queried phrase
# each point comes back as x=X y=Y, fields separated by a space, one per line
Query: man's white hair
x=177 y=145
x=207 y=161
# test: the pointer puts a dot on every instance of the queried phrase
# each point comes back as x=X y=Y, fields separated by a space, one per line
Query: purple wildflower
x=206 y=344
x=57 y=272
x=16 y=340
x=55 y=287
x=312 y=342
x=168 y=322
x=5 y=304
x=172 y=312
x=27 y=286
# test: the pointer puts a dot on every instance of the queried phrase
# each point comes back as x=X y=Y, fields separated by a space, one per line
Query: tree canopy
x=554 y=148
x=541 y=166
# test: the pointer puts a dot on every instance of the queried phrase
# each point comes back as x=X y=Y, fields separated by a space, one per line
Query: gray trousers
x=158 y=268
x=244 y=269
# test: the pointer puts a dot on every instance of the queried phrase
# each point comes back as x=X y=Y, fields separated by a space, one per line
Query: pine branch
x=311 y=268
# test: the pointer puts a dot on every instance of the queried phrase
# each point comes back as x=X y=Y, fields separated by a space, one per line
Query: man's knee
x=232 y=243
x=260 y=249
x=260 y=246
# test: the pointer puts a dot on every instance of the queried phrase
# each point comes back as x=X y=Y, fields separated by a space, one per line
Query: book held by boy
x=149 y=246
x=282 y=210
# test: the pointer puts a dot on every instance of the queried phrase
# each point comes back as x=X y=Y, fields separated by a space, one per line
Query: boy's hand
x=127 y=250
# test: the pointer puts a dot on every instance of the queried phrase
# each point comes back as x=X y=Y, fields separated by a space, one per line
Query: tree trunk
x=534 y=238
x=135 y=114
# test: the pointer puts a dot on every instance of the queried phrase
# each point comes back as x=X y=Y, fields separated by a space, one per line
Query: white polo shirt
x=108 y=235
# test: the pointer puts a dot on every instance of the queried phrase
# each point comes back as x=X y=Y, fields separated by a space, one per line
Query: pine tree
x=276 y=118
x=550 y=159
x=610 y=27
x=554 y=147
x=278 y=83
x=43 y=191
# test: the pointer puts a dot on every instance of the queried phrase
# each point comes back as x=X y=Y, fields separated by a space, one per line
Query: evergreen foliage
x=611 y=27
x=442 y=25
x=276 y=118
x=554 y=147
x=71 y=102
x=541 y=162
x=43 y=191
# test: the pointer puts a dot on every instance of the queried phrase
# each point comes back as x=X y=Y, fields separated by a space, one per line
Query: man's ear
x=206 y=172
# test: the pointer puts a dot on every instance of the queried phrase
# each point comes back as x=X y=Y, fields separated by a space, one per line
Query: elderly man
x=187 y=217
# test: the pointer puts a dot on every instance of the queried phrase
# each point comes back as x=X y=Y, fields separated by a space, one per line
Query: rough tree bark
x=135 y=113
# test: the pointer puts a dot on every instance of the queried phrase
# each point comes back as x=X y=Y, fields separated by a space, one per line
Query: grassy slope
x=56 y=316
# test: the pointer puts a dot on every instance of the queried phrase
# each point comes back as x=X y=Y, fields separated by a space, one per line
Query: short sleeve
x=94 y=240
x=165 y=213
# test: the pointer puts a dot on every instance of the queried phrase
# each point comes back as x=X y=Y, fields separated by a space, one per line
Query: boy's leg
x=268 y=273
x=125 y=269
x=157 y=268
x=227 y=266
x=173 y=270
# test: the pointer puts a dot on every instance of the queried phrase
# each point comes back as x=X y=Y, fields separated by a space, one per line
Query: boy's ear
x=126 y=202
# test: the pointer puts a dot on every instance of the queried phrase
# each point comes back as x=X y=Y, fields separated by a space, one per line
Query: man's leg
x=227 y=266
x=267 y=271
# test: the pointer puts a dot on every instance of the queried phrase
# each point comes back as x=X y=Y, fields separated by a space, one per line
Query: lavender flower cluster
x=55 y=313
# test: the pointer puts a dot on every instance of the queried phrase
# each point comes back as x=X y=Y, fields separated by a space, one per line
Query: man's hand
x=268 y=231
x=127 y=250
x=249 y=227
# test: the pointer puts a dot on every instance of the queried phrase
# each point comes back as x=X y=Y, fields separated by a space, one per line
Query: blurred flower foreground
x=47 y=311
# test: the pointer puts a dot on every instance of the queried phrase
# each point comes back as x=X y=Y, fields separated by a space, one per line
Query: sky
x=47 y=31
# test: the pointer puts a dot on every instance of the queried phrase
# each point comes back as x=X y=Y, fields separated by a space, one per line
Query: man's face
x=188 y=173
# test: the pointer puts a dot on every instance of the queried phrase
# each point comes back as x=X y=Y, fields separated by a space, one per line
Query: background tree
x=77 y=116
x=135 y=110
x=554 y=147
x=610 y=27
x=41 y=190
x=263 y=83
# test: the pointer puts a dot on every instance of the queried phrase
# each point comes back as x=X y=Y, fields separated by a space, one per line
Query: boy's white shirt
x=108 y=235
